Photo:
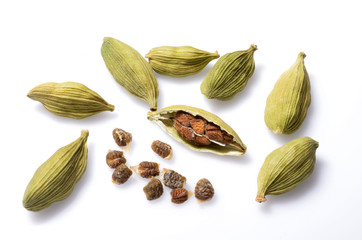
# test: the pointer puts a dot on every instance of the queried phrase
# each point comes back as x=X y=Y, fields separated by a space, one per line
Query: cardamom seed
x=69 y=99
x=172 y=179
x=288 y=102
x=130 y=70
x=229 y=75
x=164 y=150
x=204 y=190
x=153 y=189
x=286 y=167
x=179 y=61
x=147 y=169
x=55 y=179
x=121 y=174
x=198 y=129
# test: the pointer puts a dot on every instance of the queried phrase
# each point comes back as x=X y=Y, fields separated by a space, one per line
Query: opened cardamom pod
x=288 y=102
x=130 y=70
x=179 y=61
x=286 y=167
x=198 y=129
x=55 y=179
x=229 y=75
x=69 y=99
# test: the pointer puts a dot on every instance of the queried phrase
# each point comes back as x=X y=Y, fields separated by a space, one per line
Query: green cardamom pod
x=198 y=129
x=288 y=102
x=130 y=70
x=179 y=61
x=55 y=179
x=229 y=75
x=286 y=167
x=69 y=99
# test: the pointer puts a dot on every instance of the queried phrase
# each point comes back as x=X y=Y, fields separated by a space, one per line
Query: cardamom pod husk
x=55 y=179
x=229 y=75
x=198 y=129
x=69 y=99
x=179 y=61
x=288 y=102
x=130 y=70
x=286 y=167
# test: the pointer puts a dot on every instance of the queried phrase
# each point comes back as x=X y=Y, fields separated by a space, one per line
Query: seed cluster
x=199 y=131
x=170 y=178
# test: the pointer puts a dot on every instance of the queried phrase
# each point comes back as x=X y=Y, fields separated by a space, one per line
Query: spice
x=130 y=70
x=121 y=174
x=121 y=137
x=204 y=190
x=162 y=149
x=172 y=179
x=286 y=167
x=179 y=61
x=115 y=158
x=288 y=102
x=147 y=169
x=199 y=130
x=153 y=189
x=179 y=195
x=229 y=75
x=55 y=179
x=69 y=99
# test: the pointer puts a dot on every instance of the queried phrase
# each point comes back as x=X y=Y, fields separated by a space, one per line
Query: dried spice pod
x=180 y=195
x=55 y=179
x=130 y=70
x=229 y=75
x=115 y=158
x=204 y=190
x=172 y=179
x=286 y=167
x=69 y=99
x=121 y=174
x=179 y=122
x=147 y=169
x=179 y=61
x=153 y=189
x=162 y=149
x=121 y=137
x=288 y=102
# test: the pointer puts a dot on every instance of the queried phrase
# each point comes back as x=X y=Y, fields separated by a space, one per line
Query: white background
x=48 y=41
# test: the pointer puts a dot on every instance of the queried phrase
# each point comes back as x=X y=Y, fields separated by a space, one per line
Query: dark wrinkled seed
x=173 y=179
x=162 y=149
x=153 y=189
x=121 y=137
x=121 y=174
x=115 y=158
x=204 y=190
x=179 y=195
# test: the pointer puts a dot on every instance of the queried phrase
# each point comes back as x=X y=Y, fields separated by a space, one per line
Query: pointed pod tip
x=85 y=132
x=253 y=47
x=302 y=54
x=260 y=199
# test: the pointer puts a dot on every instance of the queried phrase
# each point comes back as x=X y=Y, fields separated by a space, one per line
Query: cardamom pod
x=229 y=75
x=199 y=130
x=55 y=179
x=286 y=167
x=179 y=61
x=288 y=102
x=69 y=99
x=130 y=70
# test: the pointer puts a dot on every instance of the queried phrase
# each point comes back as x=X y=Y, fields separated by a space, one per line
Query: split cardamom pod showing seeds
x=69 y=99
x=179 y=61
x=229 y=75
x=55 y=179
x=288 y=102
x=130 y=70
x=286 y=167
x=199 y=130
